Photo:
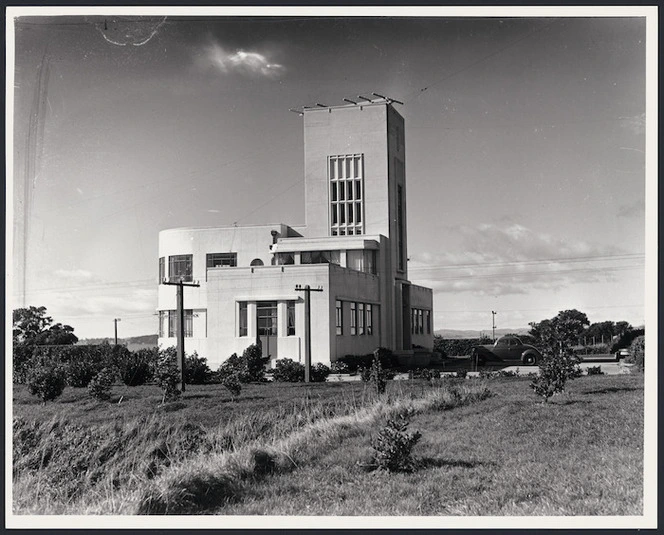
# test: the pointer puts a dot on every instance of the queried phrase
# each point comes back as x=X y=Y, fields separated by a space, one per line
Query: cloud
x=245 y=62
x=509 y=259
x=74 y=275
x=637 y=209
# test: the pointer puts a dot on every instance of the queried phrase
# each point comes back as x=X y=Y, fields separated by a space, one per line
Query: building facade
x=353 y=247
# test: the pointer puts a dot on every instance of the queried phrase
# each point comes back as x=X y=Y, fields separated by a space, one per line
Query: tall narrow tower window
x=346 y=175
x=400 y=226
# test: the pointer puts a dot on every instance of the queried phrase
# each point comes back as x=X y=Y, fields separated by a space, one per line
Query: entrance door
x=266 y=323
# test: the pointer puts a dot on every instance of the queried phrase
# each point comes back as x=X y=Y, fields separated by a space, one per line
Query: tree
x=556 y=338
x=565 y=329
x=33 y=326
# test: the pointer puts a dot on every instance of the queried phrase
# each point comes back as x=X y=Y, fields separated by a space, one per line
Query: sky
x=525 y=153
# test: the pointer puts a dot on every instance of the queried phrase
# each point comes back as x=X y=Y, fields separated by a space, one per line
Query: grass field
x=298 y=449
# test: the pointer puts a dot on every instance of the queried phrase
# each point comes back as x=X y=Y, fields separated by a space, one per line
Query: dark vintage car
x=507 y=349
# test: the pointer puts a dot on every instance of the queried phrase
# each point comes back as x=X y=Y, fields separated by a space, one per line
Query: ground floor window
x=242 y=318
x=290 y=313
x=173 y=323
x=162 y=320
x=362 y=318
x=418 y=317
x=266 y=318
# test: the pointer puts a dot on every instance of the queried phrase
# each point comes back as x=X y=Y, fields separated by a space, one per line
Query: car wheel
x=529 y=359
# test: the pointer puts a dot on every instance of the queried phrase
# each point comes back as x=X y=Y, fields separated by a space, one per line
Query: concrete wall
x=422 y=298
x=339 y=131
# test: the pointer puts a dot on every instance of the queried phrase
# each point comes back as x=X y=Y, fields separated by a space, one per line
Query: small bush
x=233 y=365
x=461 y=374
x=233 y=385
x=377 y=377
x=595 y=370
x=100 y=385
x=339 y=366
x=319 y=373
x=47 y=381
x=250 y=367
x=555 y=370
x=254 y=363
x=288 y=371
x=136 y=367
x=196 y=370
x=393 y=446
x=167 y=376
x=79 y=374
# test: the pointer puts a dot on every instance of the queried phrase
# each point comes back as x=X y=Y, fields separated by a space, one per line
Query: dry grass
x=297 y=449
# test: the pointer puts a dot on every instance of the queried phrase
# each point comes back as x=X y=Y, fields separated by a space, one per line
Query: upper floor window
x=221 y=260
x=162 y=269
x=346 y=178
x=284 y=259
x=180 y=267
x=361 y=260
x=320 y=257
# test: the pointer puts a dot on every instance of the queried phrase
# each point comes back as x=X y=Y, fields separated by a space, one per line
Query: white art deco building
x=353 y=246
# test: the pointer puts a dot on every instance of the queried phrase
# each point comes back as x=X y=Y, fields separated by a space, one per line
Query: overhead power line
x=482 y=59
x=521 y=273
x=566 y=260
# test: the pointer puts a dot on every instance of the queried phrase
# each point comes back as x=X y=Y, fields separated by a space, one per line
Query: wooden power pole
x=493 y=324
x=307 y=327
x=180 y=324
x=115 y=320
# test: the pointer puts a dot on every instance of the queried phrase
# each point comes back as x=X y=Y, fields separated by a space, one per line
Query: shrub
x=393 y=446
x=595 y=370
x=196 y=370
x=288 y=371
x=136 y=367
x=233 y=385
x=377 y=377
x=637 y=352
x=462 y=373
x=339 y=366
x=47 y=381
x=100 y=385
x=79 y=374
x=233 y=365
x=250 y=367
x=255 y=363
x=556 y=368
x=354 y=363
x=167 y=376
x=319 y=373
x=425 y=373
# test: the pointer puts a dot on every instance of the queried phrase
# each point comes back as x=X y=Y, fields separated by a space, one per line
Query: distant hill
x=133 y=343
x=461 y=334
